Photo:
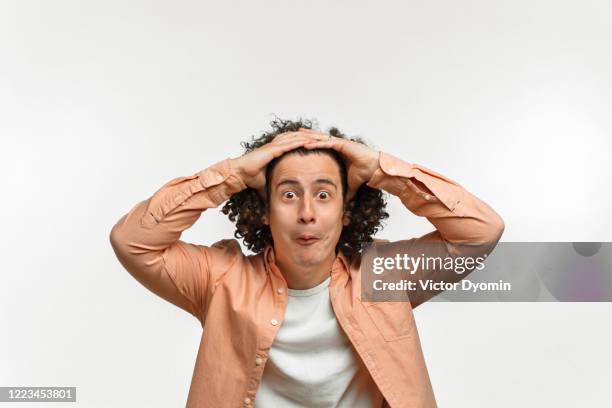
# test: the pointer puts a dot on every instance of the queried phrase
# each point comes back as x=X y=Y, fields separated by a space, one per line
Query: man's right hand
x=252 y=166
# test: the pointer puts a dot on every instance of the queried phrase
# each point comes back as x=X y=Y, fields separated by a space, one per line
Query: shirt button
x=280 y=290
x=247 y=400
x=274 y=322
x=258 y=361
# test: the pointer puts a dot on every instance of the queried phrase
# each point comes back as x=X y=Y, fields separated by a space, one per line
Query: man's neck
x=300 y=277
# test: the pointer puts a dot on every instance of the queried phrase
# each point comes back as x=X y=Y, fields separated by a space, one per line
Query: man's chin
x=308 y=256
x=311 y=254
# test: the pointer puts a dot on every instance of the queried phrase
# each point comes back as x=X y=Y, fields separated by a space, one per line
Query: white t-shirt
x=311 y=362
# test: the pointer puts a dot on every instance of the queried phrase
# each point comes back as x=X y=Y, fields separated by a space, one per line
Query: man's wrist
x=236 y=167
x=374 y=164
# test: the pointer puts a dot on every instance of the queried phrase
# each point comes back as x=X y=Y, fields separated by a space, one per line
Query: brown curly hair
x=246 y=208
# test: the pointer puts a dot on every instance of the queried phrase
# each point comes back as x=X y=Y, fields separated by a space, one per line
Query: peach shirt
x=240 y=299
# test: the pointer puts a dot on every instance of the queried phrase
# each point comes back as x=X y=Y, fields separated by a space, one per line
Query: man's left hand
x=361 y=161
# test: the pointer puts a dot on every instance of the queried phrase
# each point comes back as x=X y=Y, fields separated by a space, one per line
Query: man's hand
x=252 y=166
x=361 y=161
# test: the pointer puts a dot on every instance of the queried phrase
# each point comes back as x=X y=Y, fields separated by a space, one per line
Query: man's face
x=305 y=200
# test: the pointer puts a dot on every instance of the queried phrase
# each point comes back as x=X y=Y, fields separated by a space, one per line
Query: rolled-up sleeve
x=465 y=225
x=147 y=242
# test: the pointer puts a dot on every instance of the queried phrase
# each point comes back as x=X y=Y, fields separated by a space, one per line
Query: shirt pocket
x=394 y=320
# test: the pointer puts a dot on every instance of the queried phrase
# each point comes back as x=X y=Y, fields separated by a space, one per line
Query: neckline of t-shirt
x=310 y=291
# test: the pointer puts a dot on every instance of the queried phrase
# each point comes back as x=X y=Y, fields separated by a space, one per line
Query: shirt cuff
x=221 y=173
x=394 y=176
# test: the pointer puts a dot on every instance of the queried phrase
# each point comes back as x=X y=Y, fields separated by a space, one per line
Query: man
x=287 y=327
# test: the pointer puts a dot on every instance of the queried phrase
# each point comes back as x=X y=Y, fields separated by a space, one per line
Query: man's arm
x=465 y=225
x=146 y=239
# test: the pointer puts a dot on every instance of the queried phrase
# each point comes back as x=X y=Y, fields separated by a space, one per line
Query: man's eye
x=288 y=192
x=324 y=193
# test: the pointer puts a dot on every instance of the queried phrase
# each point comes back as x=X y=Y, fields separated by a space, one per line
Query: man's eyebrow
x=297 y=183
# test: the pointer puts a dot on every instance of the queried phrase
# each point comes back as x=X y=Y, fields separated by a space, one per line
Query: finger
x=319 y=135
x=284 y=137
x=297 y=138
x=323 y=144
x=324 y=137
x=313 y=134
x=289 y=145
x=299 y=131
x=312 y=131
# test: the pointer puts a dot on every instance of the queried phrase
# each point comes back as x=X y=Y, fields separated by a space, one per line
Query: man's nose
x=306 y=212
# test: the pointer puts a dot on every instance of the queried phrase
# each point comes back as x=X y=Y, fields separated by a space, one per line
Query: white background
x=103 y=102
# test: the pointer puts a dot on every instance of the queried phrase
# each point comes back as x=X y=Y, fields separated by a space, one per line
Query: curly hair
x=246 y=208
